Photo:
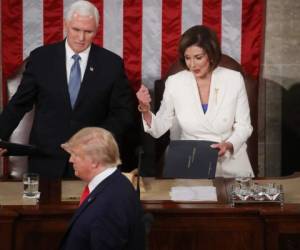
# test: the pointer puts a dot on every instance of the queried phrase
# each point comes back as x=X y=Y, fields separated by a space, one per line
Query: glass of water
x=272 y=191
x=244 y=181
x=31 y=185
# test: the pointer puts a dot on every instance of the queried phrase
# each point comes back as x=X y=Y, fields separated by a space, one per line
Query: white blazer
x=226 y=119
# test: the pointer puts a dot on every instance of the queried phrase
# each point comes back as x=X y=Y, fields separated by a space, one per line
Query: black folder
x=16 y=149
x=191 y=159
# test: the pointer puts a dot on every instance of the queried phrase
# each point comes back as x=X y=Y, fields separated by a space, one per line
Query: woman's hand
x=223 y=147
x=144 y=99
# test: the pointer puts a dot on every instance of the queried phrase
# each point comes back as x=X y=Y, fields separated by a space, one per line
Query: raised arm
x=144 y=99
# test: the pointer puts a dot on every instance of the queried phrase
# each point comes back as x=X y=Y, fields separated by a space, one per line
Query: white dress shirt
x=82 y=62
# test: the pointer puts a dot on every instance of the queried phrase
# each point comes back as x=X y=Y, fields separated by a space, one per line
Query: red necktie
x=84 y=194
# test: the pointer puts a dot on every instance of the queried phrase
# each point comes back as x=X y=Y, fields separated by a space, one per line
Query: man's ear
x=96 y=164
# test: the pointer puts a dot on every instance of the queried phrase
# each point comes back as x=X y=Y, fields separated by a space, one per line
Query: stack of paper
x=195 y=193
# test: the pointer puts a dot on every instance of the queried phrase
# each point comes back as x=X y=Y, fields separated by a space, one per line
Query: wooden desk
x=7 y=219
x=175 y=225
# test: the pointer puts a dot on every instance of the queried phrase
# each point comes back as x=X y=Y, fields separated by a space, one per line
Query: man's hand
x=2 y=151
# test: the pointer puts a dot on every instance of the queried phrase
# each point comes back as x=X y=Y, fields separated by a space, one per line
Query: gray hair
x=84 y=8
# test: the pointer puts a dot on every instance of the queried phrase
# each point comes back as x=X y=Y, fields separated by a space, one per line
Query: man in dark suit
x=110 y=214
x=103 y=97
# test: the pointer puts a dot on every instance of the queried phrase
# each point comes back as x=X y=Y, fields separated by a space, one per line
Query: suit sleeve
x=121 y=107
x=162 y=121
x=21 y=102
x=242 y=128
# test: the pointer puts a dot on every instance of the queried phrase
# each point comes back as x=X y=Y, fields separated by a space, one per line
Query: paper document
x=195 y=193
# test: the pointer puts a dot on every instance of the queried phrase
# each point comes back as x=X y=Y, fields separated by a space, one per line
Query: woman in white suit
x=208 y=101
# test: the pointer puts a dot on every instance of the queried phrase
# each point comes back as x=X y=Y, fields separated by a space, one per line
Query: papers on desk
x=195 y=193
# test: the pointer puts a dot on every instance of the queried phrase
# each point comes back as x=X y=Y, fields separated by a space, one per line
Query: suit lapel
x=217 y=92
x=90 y=66
x=203 y=118
x=91 y=198
x=78 y=212
x=81 y=208
x=196 y=96
x=61 y=76
x=90 y=71
x=216 y=96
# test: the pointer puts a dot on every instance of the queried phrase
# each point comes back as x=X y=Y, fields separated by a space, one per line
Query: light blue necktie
x=75 y=79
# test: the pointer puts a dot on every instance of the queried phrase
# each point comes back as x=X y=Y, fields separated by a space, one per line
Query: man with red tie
x=110 y=214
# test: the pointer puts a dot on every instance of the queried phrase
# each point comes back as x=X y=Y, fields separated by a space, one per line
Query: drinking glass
x=31 y=185
x=272 y=191
x=244 y=181
x=258 y=192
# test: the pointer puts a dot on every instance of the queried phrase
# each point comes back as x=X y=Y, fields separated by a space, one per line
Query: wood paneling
x=172 y=225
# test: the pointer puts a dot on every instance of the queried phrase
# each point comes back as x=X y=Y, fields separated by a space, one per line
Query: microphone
x=139 y=152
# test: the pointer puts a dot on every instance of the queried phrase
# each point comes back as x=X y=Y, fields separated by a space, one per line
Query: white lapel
x=197 y=105
x=216 y=95
x=196 y=96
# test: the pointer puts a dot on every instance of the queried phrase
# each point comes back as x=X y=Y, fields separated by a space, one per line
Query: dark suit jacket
x=109 y=218
x=104 y=100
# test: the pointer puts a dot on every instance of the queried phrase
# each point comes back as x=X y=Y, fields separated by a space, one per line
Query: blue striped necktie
x=75 y=79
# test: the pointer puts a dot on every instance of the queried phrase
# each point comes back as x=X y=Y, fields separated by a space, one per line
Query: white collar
x=84 y=54
x=100 y=177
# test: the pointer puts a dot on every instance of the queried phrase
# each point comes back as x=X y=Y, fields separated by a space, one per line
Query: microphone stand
x=147 y=217
x=140 y=153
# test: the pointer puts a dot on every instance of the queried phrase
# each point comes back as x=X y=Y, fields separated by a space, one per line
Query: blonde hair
x=96 y=143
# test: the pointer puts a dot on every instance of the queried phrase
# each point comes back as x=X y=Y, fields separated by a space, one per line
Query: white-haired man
x=110 y=216
x=71 y=84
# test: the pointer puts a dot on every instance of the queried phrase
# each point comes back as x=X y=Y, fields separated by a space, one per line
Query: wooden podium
x=173 y=225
